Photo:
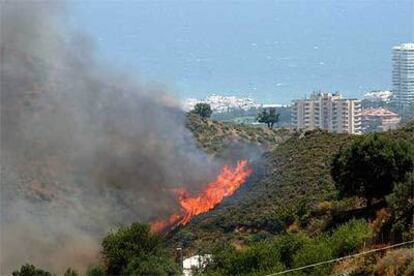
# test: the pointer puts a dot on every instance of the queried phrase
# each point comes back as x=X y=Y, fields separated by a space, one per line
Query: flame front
x=228 y=181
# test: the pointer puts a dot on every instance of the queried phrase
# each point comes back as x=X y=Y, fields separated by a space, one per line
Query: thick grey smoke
x=83 y=148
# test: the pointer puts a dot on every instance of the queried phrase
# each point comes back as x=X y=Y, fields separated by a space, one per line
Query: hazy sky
x=272 y=51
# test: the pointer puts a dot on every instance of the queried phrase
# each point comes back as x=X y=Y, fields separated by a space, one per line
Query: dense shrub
x=291 y=251
x=401 y=202
x=134 y=246
x=203 y=110
x=30 y=270
x=346 y=239
x=95 y=271
x=318 y=250
x=349 y=237
x=259 y=258
x=371 y=165
x=151 y=265
x=288 y=245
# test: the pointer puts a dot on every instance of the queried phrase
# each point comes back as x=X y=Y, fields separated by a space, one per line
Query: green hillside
x=293 y=193
x=296 y=176
x=288 y=214
x=214 y=137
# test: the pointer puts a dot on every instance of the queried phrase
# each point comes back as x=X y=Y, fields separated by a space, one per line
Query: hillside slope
x=215 y=137
x=294 y=184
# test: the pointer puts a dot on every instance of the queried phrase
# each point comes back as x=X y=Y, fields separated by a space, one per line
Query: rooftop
x=405 y=46
x=379 y=112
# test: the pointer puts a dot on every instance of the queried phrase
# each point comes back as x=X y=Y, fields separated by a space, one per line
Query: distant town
x=377 y=111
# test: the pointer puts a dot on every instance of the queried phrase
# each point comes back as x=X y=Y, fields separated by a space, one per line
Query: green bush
x=291 y=251
x=262 y=236
x=95 y=271
x=288 y=245
x=318 y=250
x=151 y=265
x=347 y=238
x=30 y=270
x=124 y=249
x=371 y=165
x=401 y=201
x=203 y=110
x=258 y=258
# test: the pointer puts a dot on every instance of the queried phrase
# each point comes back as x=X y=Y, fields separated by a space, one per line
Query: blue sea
x=272 y=51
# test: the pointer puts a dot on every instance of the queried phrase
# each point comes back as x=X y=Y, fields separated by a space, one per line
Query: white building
x=384 y=96
x=327 y=111
x=403 y=74
x=220 y=103
x=195 y=262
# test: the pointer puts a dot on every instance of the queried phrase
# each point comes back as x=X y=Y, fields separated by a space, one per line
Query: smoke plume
x=83 y=148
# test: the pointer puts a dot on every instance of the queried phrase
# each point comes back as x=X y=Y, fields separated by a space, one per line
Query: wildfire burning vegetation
x=226 y=183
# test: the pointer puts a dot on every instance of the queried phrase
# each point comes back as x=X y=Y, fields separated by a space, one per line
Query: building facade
x=327 y=111
x=403 y=74
x=379 y=120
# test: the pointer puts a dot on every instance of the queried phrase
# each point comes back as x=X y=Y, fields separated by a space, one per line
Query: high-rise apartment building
x=327 y=111
x=403 y=74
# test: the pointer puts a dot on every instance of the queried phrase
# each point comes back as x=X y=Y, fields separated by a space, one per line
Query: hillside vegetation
x=294 y=194
x=214 y=137
x=289 y=214
x=296 y=176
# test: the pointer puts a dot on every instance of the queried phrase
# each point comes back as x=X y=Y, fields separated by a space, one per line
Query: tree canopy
x=30 y=270
x=203 y=110
x=401 y=201
x=134 y=250
x=268 y=116
x=371 y=165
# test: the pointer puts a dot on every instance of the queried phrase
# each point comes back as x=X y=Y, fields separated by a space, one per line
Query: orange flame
x=226 y=183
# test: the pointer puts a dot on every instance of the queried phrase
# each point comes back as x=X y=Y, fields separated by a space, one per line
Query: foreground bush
x=30 y=270
x=291 y=251
x=401 y=202
x=371 y=165
x=259 y=258
x=288 y=245
x=349 y=237
x=151 y=265
x=318 y=250
x=95 y=271
x=135 y=250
